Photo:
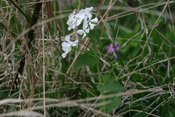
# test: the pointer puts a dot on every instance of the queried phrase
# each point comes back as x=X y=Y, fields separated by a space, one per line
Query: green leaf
x=115 y=103
x=89 y=58
x=110 y=86
x=94 y=34
x=15 y=94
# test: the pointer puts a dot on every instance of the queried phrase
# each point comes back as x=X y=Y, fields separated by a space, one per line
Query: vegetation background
x=36 y=81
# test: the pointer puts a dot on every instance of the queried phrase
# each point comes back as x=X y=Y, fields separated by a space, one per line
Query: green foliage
x=110 y=86
x=94 y=34
x=145 y=62
x=88 y=58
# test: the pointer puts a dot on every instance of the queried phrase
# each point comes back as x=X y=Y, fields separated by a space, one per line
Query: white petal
x=78 y=22
x=87 y=30
x=68 y=45
x=72 y=14
x=89 y=9
x=85 y=24
x=67 y=49
x=67 y=38
x=72 y=26
x=80 y=15
x=84 y=34
x=64 y=44
x=74 y=11
x=89 y=15
x=75 y=43
x=81 y=11
x=85 y=18
x=64 y=55
x=92 y=26
x=80 y=32
x=71 y=21
x=69 y=28
x=95 y=20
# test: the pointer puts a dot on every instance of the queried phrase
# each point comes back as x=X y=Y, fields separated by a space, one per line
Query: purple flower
x=111 y=49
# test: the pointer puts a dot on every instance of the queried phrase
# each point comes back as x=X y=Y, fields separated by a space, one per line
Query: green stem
x=99 y=76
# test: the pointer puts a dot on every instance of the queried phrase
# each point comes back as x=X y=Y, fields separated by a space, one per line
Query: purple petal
x=110 y=48
x=116 y=57
x=116 y=46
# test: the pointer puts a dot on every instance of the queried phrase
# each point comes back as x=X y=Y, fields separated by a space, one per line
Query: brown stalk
x=31 y=37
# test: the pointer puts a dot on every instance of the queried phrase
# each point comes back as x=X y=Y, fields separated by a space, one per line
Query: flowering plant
x=67 y=46
x=111 y=49
x=76 y=19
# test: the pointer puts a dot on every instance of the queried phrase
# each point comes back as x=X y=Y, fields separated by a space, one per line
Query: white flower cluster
x=75 y=19
x=67 y=46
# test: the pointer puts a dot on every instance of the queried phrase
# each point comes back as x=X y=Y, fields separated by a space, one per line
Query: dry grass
x=47 y=86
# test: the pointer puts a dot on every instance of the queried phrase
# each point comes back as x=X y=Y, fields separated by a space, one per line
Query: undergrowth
x=125 y=66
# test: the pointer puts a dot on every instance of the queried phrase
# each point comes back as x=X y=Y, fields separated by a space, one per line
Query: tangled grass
x=36 y=81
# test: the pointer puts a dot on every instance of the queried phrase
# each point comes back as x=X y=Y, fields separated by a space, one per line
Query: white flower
x=71 y=21
x=76 y=19
x=64 y=55
x=67 y=46
x=86 y=13
x=84 y=16
x=92 y=23
x=83 y=31
x=87 y=25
